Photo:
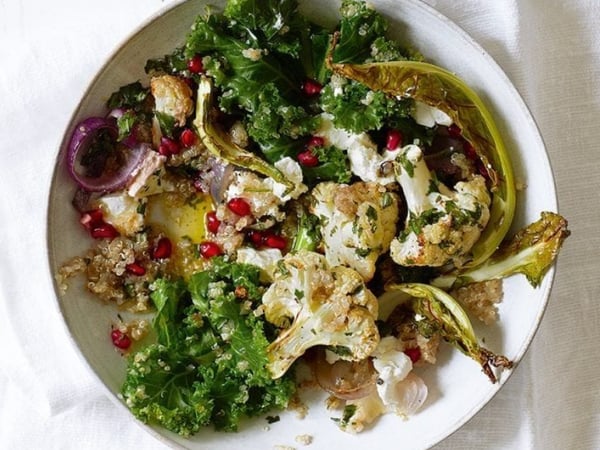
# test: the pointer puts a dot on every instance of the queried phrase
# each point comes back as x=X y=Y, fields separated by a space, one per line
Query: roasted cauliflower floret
x=265 y=195
x=442 y=225
x=173 y=97
x=318 y=305
x=358 y=222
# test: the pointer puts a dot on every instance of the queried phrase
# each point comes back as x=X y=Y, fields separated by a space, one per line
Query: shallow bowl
x=458 y=389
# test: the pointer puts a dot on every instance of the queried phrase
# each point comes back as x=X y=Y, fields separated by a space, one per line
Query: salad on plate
x=282 y=206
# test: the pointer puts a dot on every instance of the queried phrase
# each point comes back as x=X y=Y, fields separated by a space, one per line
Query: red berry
x=195 y=65
x=239 y=206
x=209 y=249
x=135 y=269
x=315 y=141
x=257 y=237
x=168 y=146
x=393 y=139
x=104 y=230
x=454 y=131
x=212 y=223
x=308 y=159
x=162 y=249
x=413 y=353
x=275 y=241
x=311 y=87
x=187 y=138
x=120 y=339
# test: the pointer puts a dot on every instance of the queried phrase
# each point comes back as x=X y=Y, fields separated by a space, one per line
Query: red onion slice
x=107 y=182
x=348 y=380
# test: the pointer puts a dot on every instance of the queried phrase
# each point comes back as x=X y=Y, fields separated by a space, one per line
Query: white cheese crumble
x=293 y=172
x=265 y=259
x=365 y=160
x=429 y=116
x=121 y=211
x=393 y=366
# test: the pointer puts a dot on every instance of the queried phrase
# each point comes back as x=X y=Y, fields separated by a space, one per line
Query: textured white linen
x=48 y=53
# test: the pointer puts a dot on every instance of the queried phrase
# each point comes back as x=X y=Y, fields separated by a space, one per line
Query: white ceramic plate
x=458 y=388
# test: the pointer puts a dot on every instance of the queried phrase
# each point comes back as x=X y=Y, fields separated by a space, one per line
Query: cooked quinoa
x=480 y=299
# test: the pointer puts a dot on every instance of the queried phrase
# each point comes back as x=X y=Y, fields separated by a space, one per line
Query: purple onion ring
x=82 y=134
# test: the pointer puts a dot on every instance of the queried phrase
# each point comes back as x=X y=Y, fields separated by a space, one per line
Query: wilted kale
x=354 y=106
x=362 y=35
x=208 y=365
x=173 y=63
x=333 y=166
x=359 y=109
x=259 y=55
x=130 y=96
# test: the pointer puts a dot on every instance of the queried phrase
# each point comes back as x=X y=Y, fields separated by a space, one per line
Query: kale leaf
x=362 y=34
x=333 y=166
x=259 y=62
x=131 y=96
x=209 y=364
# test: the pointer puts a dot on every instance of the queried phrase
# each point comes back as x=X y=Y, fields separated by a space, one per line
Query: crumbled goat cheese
x=392 y=365
x=365 y=160
x=429 y=116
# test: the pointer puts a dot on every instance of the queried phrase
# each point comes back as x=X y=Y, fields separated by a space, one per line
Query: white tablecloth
x=49 y=51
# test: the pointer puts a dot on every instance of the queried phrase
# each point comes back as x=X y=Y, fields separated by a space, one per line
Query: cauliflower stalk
x=358 y=222
x=317 y=304
x=442 y=225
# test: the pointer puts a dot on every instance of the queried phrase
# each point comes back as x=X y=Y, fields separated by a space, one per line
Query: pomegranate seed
x=120 y=339
x=168 y=146
x=482 y=170
x=135 y=269
x=315 y=141
x=275 y=241
x=413 y=353
x=239 y=206
x=104 y=230
x=393 y=139
x=162 y=249
x=212 y=223
x=190 y=82
x=470 y=151
x=199 y=185
x=195 y=65
x=257 y=237
x=308 y=159
x=187 y=138
x=210 y=249
x=90 y=219
x=311 y=87
x=454 y=131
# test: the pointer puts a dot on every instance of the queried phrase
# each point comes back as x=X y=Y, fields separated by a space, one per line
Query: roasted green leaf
x=219 y=144
x=531 y=252
x=444 y=312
